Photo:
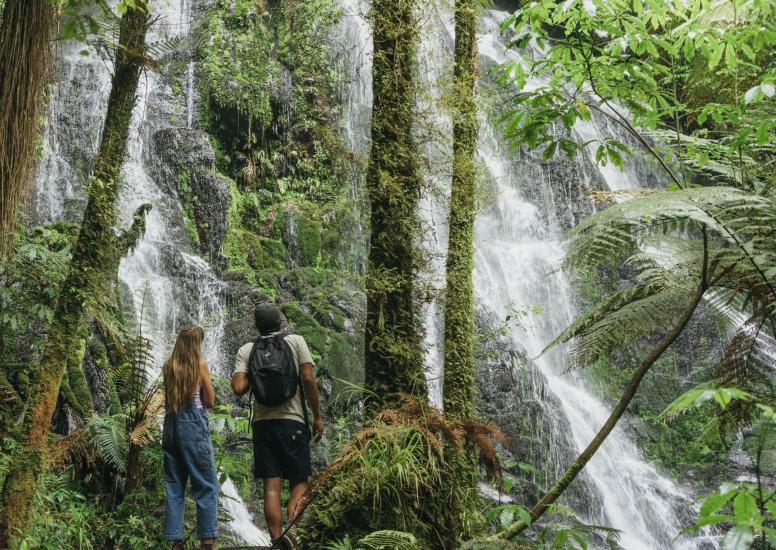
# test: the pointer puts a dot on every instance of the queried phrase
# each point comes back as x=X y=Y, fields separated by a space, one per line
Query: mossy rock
x=248 y=252
x=335 y=356
x=302 y=237
x=306 y=325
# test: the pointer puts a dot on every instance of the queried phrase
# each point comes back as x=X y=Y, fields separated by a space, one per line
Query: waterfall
x=164 y=281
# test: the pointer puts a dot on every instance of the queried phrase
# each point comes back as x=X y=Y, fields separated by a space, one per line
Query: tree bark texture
x=26 y=30
x=459 y=385
x=394 y=356
x=95 y=254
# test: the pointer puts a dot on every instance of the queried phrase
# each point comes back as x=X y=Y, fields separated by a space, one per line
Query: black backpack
x=272 y=371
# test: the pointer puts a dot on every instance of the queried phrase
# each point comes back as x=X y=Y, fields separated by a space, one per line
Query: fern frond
x=388 y=540
x=628 y=323
x=610 y=234
x=141 y=433
x=107 y=435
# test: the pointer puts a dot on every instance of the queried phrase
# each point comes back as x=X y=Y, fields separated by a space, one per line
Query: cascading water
x=166 y=284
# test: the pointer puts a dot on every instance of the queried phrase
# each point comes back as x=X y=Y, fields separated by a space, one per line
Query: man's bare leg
x=272 y=506
x=296 y=499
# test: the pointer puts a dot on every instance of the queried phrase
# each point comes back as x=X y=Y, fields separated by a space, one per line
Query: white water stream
x=517 y=247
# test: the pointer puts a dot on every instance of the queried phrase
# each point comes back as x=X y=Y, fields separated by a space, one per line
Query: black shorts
x=281 y=448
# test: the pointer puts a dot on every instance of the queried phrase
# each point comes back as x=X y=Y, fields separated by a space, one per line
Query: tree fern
x=108 y=437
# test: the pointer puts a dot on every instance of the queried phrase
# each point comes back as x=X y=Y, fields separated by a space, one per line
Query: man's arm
x=207 y=395
x=311 y=394
x=240 y=384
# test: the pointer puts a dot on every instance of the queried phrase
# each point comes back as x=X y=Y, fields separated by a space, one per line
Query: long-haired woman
x=188 y=449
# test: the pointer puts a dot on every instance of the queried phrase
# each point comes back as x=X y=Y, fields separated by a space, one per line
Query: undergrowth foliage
x=392 y=476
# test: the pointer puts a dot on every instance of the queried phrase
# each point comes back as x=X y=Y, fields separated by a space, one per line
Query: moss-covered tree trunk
x=459 y=385
x=394 y=357
x=622 y=405
x=458 y=392
x=25 y=55
x=94 y=257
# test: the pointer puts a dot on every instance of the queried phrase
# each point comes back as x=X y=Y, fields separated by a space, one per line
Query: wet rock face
x=332 y=327
x=241 y=299
x=183 y=164
x=569 y=184
x=513 y=394
x=74 y=123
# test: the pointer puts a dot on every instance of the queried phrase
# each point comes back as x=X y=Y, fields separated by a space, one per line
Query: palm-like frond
x=384 y=540
x=613 y=233
x=722 y=236
x=631 y=321
x=141 y=433
x=107 y=435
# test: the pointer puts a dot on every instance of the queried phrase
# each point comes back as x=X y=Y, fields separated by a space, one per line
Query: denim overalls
x=188 y=455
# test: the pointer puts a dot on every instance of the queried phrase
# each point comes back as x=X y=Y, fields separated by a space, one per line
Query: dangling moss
x=459 y=383
x=394 y=357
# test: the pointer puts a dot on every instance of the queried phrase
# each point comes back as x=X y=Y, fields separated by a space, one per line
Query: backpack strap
x=250 y=386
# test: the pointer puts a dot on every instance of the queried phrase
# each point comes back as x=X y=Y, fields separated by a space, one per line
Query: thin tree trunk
x=25 y=56
x=394 y=358
x=571 y=472
x=96 y=251
x=458 y=392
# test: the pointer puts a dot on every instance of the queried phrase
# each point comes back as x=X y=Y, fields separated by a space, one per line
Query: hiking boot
x=177 y=545
x=207 y=546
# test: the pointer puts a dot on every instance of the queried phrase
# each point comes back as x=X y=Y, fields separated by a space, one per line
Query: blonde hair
x=181 y=371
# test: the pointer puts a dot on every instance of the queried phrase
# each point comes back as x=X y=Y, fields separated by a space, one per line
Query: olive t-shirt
x=291 y=409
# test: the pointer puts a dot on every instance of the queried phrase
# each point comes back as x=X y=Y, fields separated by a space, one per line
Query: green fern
x=108 y=437
x=343 y=544
x=388 y=540
x=659 y=234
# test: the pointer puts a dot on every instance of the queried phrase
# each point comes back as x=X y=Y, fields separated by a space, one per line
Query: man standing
x=281 y=437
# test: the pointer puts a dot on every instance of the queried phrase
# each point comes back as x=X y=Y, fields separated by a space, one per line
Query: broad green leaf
x=745 y=509
x=506 y=517
x=715 y=502
x=716 y=54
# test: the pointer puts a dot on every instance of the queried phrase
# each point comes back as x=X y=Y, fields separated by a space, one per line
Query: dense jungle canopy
x=531 y=245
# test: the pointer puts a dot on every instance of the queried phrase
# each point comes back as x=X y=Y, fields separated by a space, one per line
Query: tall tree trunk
x=458 y=387
x=25 y=55
x=94 y=256
x=571 y=472
x=394 y=357
x=459 y=383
